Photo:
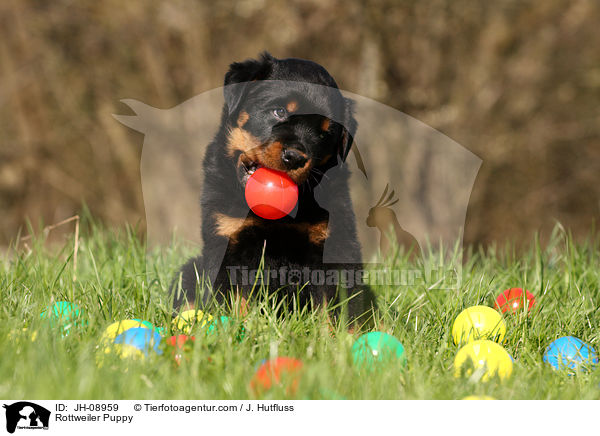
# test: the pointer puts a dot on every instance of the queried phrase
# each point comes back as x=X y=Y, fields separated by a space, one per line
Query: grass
x=117 y=279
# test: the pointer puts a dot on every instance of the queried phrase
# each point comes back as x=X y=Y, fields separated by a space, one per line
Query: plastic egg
x=118 y=327
x=377 y=348
x=570 y=353
x=63 y=314
x=512 y=300
x=282 y=371
x=478 y=322
x=189 y=319
x=485 y=356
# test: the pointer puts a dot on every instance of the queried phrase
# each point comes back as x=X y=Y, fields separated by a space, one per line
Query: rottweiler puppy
x=287 y=115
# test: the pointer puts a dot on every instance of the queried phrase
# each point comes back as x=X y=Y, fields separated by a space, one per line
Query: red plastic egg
x=179 y=340
x=181 y=344
x=276 y=371
x=271 y=194
x=513 y=300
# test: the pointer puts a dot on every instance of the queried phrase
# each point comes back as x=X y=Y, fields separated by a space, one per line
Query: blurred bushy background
x=516 y=82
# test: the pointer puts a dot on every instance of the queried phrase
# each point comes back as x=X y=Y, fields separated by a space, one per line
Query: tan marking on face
x=239 y=139
x=325 y=124
x=269 y=155
x=325 y=159
x=299 y=175
x=292 y=106
x=243 y=118
x=230 y=227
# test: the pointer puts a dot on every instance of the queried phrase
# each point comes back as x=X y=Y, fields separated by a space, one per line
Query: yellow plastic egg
x=124 y=351
x=483 y=355
x=185 y=321
x=478 y=322
x=116 y=328
x=478 y=397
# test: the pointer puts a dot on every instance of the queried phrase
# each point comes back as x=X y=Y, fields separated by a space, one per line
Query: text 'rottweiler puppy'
x=287 y=115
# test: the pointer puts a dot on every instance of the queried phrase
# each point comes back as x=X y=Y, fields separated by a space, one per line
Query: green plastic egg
x=377 y=348
x=63 y=314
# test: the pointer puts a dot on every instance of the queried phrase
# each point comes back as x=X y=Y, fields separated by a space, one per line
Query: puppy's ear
x=348 y=129
x=242 y=72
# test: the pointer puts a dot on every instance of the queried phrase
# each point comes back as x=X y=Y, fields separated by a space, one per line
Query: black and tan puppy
x=288 y=115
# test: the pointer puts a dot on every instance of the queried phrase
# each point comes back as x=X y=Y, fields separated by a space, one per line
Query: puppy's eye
x=279 y=113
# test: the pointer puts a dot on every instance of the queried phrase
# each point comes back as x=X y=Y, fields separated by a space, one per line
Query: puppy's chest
x=296 y=234
x=284 y=238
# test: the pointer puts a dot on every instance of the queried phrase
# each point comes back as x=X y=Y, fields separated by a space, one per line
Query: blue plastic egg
x=141 y=338
x=571 y=353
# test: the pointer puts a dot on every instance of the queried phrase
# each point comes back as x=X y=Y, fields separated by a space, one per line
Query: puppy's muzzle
x=293 y=159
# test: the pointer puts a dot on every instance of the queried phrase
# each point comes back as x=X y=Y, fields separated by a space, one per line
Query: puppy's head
x=285 y=114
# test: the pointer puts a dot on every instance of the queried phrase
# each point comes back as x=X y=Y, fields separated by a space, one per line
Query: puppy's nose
x=293 y=159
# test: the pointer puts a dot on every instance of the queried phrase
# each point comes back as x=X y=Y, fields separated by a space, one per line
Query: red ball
x=271 y=194
x=512 y=300
x=276 y=371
